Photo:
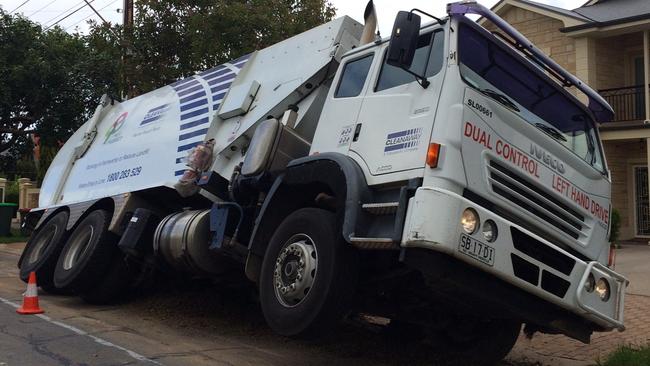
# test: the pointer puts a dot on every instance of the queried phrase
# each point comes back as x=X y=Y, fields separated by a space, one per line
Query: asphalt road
x=195 y=323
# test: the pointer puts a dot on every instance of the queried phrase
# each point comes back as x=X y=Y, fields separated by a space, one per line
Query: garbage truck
x=448 y=178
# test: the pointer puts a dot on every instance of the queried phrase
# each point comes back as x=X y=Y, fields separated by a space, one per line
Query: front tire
x=471 y=341
x=43 y=250
x=308 y=275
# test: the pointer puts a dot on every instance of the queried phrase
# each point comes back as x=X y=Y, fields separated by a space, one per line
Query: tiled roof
x=555 y=9
x=606 y=11
x=599 y=13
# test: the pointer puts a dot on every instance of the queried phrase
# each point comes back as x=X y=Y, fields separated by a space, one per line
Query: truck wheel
x=308 y=275
x=87 y=254
x=114 y=284
x=42 y=251
x=474 y=342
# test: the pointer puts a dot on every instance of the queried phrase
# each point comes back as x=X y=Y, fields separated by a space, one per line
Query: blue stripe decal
x=242 y=58
x=198 y=103
x=394 y=147
x=208 y=71
x=158 y=108
x=219 y=88
x=197 y=94
x=217 y=74
x=188 y=135
x=193 y=97
x=155 y=118
x=182 y=81
x=194 y=113
x=188 y=85
x=240 y=63
x=218 y=97
x=221 y=80
x=198 y=122
x=190 y=90
x=189 y=146
x=398 y=134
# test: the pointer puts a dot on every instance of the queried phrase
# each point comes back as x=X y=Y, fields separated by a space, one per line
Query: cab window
x=427 y=61
x=354 y=77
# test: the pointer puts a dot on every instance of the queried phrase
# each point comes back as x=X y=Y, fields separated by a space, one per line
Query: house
x=606 y=43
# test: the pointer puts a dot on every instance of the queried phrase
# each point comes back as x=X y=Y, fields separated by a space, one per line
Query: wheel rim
x=295 y=270
x=41 y=243
x=78 y=247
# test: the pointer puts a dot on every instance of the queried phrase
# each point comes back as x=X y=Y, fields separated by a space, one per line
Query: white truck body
x=143 y=142
x=399 y=163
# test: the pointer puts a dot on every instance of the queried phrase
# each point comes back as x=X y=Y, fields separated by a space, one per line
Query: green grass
x=628 y=356
x=15 y=237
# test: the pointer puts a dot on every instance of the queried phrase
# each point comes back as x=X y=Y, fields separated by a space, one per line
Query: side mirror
x=404 y=39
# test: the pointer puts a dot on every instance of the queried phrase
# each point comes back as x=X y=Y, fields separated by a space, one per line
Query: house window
x=639 y=96
x=642 y=206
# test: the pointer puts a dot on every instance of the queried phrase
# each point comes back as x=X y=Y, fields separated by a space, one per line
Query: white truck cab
x=447 y=178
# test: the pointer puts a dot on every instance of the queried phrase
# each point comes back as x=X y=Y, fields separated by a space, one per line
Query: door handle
x=357 y=131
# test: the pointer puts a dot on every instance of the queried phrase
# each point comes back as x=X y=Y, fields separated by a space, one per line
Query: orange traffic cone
x=30 y=298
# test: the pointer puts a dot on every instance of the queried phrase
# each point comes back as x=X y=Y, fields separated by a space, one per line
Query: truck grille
x=525 y=194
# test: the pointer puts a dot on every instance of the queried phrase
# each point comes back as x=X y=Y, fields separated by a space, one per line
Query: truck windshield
x=492 y=67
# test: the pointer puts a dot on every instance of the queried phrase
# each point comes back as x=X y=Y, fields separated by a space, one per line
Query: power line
x=19 y=6
x=67 y=16
x=39 y=10
x=104 y=7
x=63 y=12
x=96 y=12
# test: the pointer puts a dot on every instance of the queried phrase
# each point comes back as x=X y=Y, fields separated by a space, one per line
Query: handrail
x=602 y=111
x=640 y=86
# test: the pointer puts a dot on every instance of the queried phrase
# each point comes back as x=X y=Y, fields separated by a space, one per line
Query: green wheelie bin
x=7 y=212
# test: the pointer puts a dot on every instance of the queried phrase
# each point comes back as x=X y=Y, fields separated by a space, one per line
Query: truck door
x=337 y=123
x=396 y=117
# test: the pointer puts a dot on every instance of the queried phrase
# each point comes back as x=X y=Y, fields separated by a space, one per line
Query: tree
x=175 y=38
x=49 y=82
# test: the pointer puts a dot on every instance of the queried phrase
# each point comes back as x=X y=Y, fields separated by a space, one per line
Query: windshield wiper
x=551 y=131
x=499 y=98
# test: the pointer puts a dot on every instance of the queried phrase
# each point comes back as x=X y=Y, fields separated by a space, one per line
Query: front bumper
x=519 y=257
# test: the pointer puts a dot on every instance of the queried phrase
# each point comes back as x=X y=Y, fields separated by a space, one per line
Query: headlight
x=490 y=231
x=590 y=284
x=602 y=289
x=469 y=221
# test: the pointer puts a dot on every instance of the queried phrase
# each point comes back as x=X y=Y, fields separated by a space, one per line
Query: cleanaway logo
x=403 y=140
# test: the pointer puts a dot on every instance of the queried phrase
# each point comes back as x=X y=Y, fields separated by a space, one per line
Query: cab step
x=374 y=243
x=381 y=208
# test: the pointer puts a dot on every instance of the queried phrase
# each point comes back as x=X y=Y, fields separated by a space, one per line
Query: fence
x=27 y=192
x=628 y=102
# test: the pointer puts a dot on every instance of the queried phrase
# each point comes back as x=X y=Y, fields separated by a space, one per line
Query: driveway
x=207 y=324
x=633 y=261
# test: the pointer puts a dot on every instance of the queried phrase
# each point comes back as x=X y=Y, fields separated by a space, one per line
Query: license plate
x=477 y=250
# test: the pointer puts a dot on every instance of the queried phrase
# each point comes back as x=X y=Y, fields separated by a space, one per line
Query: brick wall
x=614 y=66
x=622 y=156
x=544 y=33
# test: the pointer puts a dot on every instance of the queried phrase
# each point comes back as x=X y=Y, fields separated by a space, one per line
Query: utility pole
x=127 y=51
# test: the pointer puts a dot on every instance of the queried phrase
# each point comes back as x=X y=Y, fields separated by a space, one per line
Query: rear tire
x=87 y=254
x=307 y=252
x=42 y=251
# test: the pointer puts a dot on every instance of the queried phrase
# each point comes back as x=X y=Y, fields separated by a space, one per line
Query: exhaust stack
x=370 y=24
